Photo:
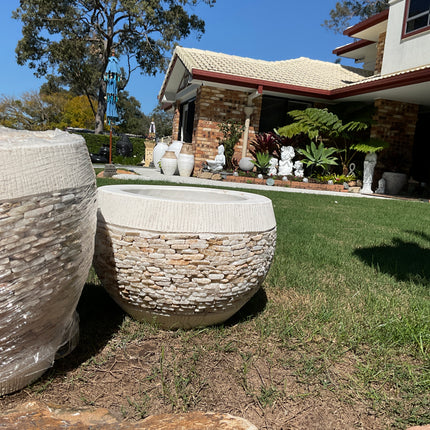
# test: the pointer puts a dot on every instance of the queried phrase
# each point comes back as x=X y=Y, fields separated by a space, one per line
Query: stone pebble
x=43 y=267
x=181 y=274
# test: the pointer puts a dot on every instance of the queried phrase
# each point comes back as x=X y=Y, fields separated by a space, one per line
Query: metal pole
x=110 y=145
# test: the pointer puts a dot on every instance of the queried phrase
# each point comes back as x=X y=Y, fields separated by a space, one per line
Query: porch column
x=248 y=112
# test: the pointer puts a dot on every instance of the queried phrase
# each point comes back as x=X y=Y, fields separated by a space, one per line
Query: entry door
x=187 y=121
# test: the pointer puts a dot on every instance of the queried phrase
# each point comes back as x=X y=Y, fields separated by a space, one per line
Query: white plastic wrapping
x=47 y=227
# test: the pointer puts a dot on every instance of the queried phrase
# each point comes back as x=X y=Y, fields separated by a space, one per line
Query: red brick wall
x=213 y=106
x=176 y=125
x=380 y=53
x=394 y=123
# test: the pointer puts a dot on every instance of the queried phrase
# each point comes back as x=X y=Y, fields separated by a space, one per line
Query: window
x=274 y=112
x=418 y=15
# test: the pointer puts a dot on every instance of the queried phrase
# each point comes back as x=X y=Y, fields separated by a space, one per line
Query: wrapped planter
x=182 y=256
x=47 y=226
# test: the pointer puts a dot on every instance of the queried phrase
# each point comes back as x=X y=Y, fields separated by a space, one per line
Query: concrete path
x=151 y=174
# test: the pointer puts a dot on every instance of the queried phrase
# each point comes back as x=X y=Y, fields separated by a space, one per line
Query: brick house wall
x=394 y=123
x=380 y=52
x=212 y=107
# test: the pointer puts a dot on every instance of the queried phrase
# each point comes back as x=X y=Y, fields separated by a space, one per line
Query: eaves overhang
x=367 y=86
x=370 y=28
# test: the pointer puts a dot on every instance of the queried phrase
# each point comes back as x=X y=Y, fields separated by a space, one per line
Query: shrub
x=232 y=132
x=96 y=141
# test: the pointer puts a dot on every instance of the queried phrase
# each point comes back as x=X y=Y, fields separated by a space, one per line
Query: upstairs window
x=418 y=16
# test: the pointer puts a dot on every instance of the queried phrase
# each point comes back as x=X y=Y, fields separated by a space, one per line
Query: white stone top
x=35 y=162
x=176 y=209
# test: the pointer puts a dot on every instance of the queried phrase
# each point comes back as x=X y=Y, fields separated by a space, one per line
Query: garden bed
x=288 y=183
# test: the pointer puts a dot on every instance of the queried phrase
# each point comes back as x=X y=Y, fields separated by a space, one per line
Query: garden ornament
x=299 y=172
x=218 y=164
x=286 y=162
x=273 y=164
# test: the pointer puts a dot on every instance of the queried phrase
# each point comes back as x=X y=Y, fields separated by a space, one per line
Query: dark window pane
x=416 y=24
x=418 y=6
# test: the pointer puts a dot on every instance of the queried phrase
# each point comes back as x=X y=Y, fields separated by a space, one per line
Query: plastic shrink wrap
x=47 y=228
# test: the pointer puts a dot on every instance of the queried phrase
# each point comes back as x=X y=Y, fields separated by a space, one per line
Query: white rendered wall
x=407 y=53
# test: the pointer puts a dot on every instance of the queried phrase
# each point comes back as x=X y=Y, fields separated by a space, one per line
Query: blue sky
x=266 y=30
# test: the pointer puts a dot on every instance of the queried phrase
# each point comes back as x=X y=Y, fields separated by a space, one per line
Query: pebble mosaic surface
x=181 y=279
x=46 y=246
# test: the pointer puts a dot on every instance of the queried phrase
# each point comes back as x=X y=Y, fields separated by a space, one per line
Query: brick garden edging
x=288 y=184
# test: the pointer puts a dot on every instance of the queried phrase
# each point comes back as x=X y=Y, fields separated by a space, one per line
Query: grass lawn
x=337 y=338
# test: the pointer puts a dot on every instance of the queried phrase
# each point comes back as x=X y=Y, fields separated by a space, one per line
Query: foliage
x=371 y=145
x=347 y=10
x=337 y=179
x=318 y=157
x=320 y=125
x=265 y=143
x=96 y=141
x=232 y=132
x=78 y=113
x=33 y=111
x=262 y=161
x=73 y=39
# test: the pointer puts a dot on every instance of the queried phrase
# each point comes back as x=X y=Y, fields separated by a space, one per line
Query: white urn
x=169 y=163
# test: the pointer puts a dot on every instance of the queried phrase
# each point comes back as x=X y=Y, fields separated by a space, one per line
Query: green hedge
x=96 y=141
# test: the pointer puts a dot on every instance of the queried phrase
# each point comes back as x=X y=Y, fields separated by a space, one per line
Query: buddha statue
x=218 y=164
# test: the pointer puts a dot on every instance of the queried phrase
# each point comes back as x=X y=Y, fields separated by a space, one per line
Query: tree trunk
x=101 y=110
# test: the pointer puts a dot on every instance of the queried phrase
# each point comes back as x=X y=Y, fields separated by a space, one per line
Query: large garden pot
x=158 y=153
x=47 y=228
x=169 y=163
x=186 y=160
x=182 y=256
x=394 y=182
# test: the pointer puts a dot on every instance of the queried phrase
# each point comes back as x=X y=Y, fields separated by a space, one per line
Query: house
x=206 y=88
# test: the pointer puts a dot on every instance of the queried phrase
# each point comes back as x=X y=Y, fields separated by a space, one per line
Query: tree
x=74 y=38
x=33 y=111
x=346 y=10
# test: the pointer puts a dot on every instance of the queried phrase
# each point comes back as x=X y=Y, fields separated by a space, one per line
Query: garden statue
x=218 y=164
x=299 y=172
x=286 y=162
x=369 y=167
x=381 y=186
x=273 y=164
x=124 y=146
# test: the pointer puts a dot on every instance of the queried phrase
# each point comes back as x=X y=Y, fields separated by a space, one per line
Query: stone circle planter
x=182 y=256
x=394 y=182
x=47 y=227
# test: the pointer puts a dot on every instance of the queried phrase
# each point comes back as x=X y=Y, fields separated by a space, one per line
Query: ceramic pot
x=186 y=160
x=394 y=182
x=158 y=153
x=169 y=163
x=48 y=223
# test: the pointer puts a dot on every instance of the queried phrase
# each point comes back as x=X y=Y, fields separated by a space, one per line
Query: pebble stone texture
x=47 y=228
x=183 y=275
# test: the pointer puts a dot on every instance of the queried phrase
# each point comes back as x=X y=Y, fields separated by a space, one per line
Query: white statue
x=381 y=186
x=299 y=172
x=218 y=164
x=286 y=162
x=273 y=164
x=369 y=167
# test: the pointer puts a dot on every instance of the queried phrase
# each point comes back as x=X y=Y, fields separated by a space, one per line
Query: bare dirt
x=135 y=370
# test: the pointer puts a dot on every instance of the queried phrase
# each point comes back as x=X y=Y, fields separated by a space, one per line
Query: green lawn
x=348 y=289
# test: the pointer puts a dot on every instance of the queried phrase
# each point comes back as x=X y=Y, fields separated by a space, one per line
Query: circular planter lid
x=35 y=162
x=179 y=209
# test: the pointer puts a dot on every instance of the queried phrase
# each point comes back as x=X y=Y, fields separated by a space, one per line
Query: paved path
x=151 y=174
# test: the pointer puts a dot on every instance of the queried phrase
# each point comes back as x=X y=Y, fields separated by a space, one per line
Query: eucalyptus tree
x=74 y=39
x=346 y=10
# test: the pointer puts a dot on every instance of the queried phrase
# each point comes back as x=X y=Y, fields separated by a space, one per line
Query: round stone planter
x=182 y=256
x=394 y=182
x=47 y=227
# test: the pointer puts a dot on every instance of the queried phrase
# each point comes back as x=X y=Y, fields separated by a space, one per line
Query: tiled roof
x=302 y=71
